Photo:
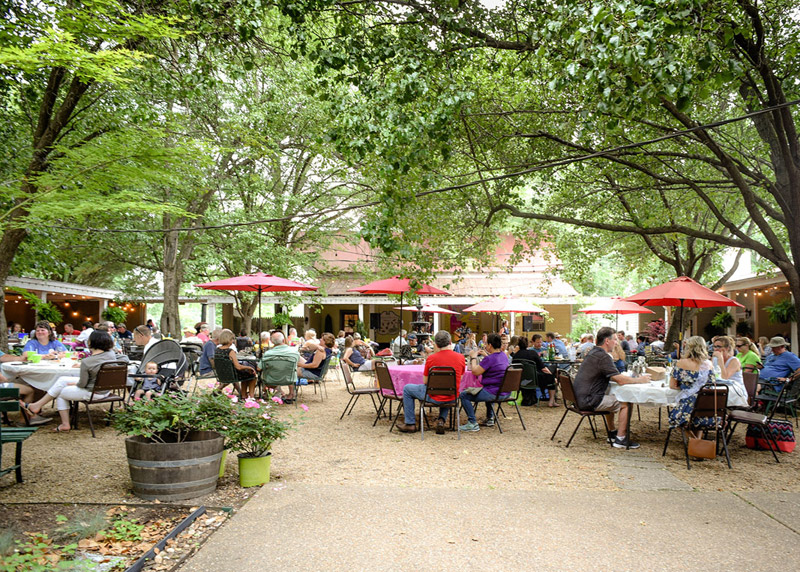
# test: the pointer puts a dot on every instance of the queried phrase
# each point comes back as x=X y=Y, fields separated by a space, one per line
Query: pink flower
x=251 y=403
x=234 y=399
x=265 y=416
x=212 y=385
x=277 y=400
x=304 y=407
x=227 y=390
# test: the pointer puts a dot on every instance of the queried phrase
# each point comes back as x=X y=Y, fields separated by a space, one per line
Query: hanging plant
x=115 y=314
x=781 y=312
x=723 y=320
x=279 y=320
x=744 y=328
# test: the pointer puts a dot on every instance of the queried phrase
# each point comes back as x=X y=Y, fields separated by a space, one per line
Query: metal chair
x=9 y=402
x=110 y=386
x=388 y=394
x=530 y=377
x=571 y=405
x=786 y=398
x=509 y=387
x=441 y=383
x=355 y=392
x=712 y=401
x=226 y=372
x=277 y=370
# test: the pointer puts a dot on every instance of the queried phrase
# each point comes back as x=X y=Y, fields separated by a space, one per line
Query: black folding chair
x=441 y=383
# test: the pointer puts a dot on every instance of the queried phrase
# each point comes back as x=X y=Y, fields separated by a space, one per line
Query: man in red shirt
x=443 y=356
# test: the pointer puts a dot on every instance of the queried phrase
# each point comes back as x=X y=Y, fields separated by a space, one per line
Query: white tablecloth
x=40 y=375
x=654 y=395
x=44 y=374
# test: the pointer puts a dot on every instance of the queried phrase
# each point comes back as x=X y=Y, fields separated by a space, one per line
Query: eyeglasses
x=716 y=347
x=741 y=345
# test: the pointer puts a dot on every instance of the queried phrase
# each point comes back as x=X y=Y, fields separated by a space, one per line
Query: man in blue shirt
x=561 y=349
x=207 y=357
x=781 y=363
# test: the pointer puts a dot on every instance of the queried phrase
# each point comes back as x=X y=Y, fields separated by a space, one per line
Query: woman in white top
x=730 y=367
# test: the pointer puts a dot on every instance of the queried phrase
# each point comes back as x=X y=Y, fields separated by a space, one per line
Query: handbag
x=781 y=431
x=702 y=448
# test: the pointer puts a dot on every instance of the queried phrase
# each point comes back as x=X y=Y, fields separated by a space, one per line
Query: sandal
x=26 y=407
x=60 y=430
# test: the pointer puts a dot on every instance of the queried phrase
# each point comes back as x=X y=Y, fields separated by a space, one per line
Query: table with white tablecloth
x=658 y=393
x=41 y=375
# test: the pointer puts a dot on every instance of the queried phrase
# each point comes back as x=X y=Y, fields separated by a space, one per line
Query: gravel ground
x=74 y=467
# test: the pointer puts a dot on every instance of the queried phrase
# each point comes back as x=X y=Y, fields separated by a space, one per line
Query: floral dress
x=690 y=383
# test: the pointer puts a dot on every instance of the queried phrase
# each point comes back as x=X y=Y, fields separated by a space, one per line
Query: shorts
x=609 y=403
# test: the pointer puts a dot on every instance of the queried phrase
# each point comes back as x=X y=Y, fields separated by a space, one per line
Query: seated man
x=560 y=348
x=445 y=357
x=538 y=345
x=779 y=365
x=591 y=383
x=206 y=361
x=312 y=367
x=281 y=351
x=493 y=369
x=586 y=346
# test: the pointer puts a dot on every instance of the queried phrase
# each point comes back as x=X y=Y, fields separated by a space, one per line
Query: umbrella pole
x=400 y=332
x=680 y=330
x=260 y=349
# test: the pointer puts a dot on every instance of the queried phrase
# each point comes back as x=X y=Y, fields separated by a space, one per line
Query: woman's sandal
x=60 y=430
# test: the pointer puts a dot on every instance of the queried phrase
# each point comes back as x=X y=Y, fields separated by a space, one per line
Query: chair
x=509 y=387
x=530 y=375
x=441 y=382
x=324 y=366
x=756 y=419
x=571 y=405
x=355 y=392
x=712 y=401
x=277 y=370
x=110 y=387
x=786 y=399
x=225 y=372
x=388 y=393
x=9 y=402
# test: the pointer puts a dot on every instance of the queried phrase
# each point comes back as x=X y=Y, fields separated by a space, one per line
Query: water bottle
x=717 y=369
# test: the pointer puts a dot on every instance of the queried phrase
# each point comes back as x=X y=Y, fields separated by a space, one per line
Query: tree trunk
x=9 y=244
x=173 y=277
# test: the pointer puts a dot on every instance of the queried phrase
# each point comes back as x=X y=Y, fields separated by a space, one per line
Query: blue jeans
x=468 y=398
x=621 y=365
x=414 y=391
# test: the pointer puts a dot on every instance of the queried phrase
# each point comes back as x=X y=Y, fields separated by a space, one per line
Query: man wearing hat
x=780 y=364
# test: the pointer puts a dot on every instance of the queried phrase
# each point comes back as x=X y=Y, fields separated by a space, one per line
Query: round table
x=658 y=393
x=402 y=375
x=41 y=375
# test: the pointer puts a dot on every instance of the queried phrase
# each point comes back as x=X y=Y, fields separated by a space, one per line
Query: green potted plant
x=722 y=320
x=781 y=312
x=251 y=429
x=115 y=314
x=174 y=444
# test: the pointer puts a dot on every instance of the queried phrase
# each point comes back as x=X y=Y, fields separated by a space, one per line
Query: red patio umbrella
x=616 y=306
x=258 y=282
x=397 y=285
x=682 y=292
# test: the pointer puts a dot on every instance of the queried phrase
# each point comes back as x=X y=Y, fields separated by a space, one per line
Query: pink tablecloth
x=402 y=375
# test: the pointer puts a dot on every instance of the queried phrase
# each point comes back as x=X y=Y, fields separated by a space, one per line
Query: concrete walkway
x=307 y=527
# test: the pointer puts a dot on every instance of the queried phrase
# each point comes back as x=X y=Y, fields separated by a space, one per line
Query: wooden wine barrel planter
x=175 y=471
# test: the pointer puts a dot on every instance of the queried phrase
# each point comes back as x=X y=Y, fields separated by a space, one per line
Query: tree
x=573 y=87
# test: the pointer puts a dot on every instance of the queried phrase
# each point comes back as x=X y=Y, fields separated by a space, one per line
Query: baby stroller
x=172 y=366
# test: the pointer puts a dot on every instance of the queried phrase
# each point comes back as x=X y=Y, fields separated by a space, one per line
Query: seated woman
x=244 y=373
x=311 y=368
x=492 y=369
x=749 y=355
x=547 y=380
x=76 y=388
x=45 y=342
x=689 y=374
x=354 y=358
x=730 y=368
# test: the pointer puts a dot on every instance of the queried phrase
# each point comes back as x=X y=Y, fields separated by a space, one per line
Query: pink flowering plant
x=252 y=426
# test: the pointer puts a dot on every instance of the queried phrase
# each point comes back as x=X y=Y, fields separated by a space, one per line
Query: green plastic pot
x=254 y=471
x=222 y=463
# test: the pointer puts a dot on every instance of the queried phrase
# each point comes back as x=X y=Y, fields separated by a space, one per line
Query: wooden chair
x=355 y=392
x=9 y=403
x=388 y=394
x=712 y=401
x=571 y=405
x=509 y=387
x=110 y=387
x=441 y=382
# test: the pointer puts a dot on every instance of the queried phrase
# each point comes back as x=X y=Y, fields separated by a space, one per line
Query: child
x=150 y=383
